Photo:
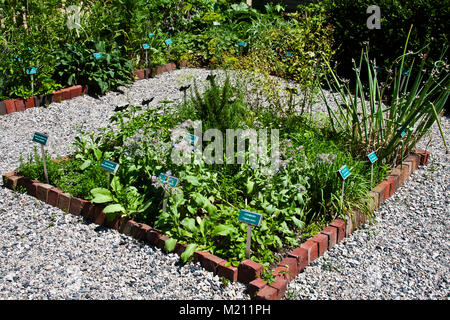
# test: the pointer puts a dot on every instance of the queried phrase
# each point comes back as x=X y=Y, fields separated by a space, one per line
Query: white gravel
x=46 y=254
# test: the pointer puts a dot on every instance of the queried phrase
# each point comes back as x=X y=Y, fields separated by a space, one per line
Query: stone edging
x=17 y=105
x=248 y=271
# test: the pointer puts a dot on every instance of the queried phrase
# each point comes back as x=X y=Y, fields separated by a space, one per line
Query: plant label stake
x=109 y=166
x=31 y=72
x=151 y=36
x=344 y=173
x=251 y=219
x=172 y=182
x=42 y=140
x=241 y=45
x=168 y=42
x=402 y=134
x=372 y=158
x=146 y=46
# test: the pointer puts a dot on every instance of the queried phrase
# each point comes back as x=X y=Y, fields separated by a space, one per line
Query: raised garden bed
x=248 y=271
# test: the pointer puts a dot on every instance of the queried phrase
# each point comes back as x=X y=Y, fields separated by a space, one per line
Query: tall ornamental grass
x=389 y=117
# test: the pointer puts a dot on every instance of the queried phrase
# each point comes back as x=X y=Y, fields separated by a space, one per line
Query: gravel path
x=46 y=254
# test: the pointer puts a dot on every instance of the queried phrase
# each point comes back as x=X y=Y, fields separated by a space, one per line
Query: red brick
x=414 y=159
x=423 y=156
x=152 y=236
x=128 y=227
x=380 y=190
x=386 y=189
x=161 y=241
x=280 y=285
x=99 y=215
x=88 y=211
x=10 y=106
x=312 y=248
x=5 y=176
x=31 y=186
x=267 y=293
x=230 y=272
x=290 y=267
x=331 y=234
x=255 y=286
x=64 y=201
x=301 y=255
x=248 y=270
x=76 y=91
x=77 y=205
x=11 y=180
x=139 y=74
x=42 y=191
x=393 y=184
x=58 y=96
x=66 y=93
x=211 y=262
x=115 y=222
x=322 y=242
x=198 y=255
x=20 y=105
x=160 y=70
x=340 y=226
x=374 y=202
x=29 y=103
x=139 y=231
x=53 y=197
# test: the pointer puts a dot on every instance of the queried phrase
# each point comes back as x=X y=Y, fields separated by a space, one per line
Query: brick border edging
x=248 y=271
x=17 y=105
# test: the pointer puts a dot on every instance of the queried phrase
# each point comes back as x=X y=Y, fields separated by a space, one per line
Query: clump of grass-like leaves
x=400 y=111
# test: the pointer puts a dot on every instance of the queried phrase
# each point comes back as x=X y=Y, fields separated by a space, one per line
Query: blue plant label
x=249 y=217
x=168 y=42
x=151 y=35
x=344 y=172
x=192 y=138
x=31 y=70
x=40 y=138
x=172 y=181
x=288 y=54
x=146 y=46
x=163 y=178
x=109 y=166
x=98 y=55
x=17 y=59
x=372 y=157
x=406 y=72
x=216 y=23
x=403 y=133
x=242 y=44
